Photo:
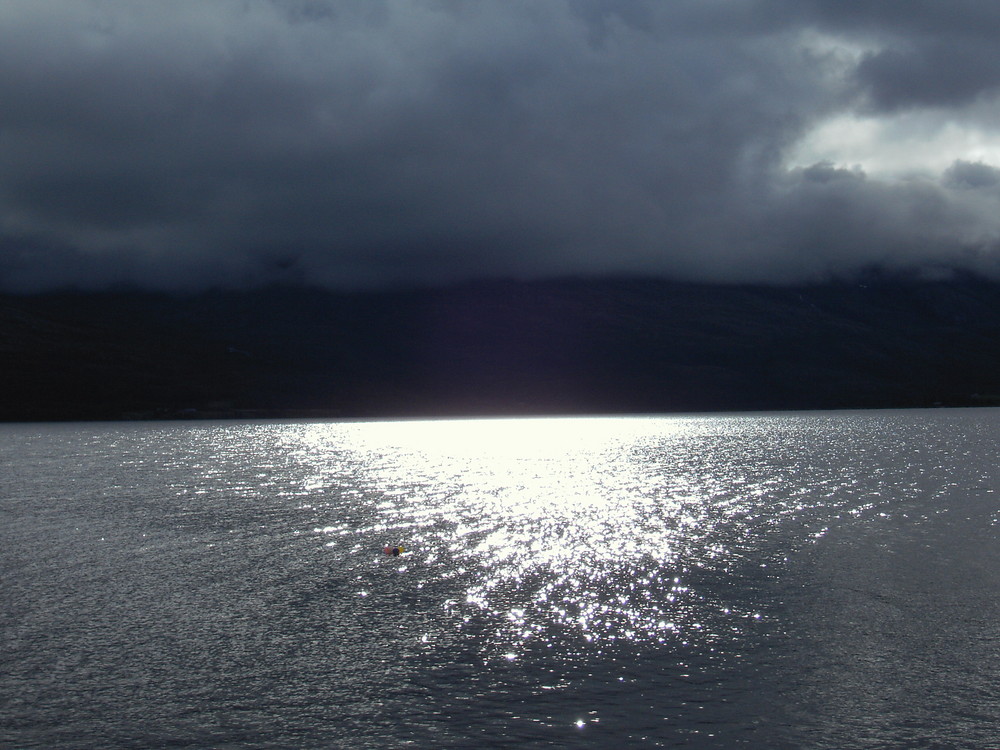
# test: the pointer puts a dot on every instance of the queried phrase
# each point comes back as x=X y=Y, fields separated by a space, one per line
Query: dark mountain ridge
x=570 y=346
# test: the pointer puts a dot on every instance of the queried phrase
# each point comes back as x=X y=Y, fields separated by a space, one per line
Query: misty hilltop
x=497 y=348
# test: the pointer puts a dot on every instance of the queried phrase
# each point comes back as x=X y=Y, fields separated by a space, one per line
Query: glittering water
x=784 y=580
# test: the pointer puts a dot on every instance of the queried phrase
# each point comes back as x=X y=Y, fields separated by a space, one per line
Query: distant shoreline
x=608 y=346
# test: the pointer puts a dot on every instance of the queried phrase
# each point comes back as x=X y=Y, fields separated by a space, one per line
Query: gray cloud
x=935 y=72
x=366 y=142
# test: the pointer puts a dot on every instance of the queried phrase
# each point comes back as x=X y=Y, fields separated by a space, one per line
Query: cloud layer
x=368 y=142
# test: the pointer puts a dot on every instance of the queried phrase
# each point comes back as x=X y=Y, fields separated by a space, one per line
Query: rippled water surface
x=780 y=580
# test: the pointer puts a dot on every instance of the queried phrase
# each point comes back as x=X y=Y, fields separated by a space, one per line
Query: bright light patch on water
x=575 y=530
x=613 y=583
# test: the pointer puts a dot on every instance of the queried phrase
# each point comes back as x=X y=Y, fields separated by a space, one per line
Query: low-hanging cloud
x=368 y=142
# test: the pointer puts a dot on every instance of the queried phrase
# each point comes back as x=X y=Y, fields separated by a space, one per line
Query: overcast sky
x=363 y=142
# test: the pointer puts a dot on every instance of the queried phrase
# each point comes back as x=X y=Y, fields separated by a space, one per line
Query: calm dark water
x=823 y=580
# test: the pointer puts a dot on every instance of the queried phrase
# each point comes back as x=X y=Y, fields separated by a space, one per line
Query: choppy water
x=783 y=581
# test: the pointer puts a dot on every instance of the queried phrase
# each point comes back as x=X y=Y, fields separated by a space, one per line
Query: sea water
x=819 y=580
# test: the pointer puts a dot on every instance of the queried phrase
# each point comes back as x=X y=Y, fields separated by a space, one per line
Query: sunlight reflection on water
x=713 y=581
x=572 y=529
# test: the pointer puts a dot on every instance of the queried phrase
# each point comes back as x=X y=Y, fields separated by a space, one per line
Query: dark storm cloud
x=929 y=52
x=932 y=72
x=366 y=141
x=973 y=175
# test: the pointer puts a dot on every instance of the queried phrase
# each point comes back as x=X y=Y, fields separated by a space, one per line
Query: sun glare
x=555 y=527
x=499 y=439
